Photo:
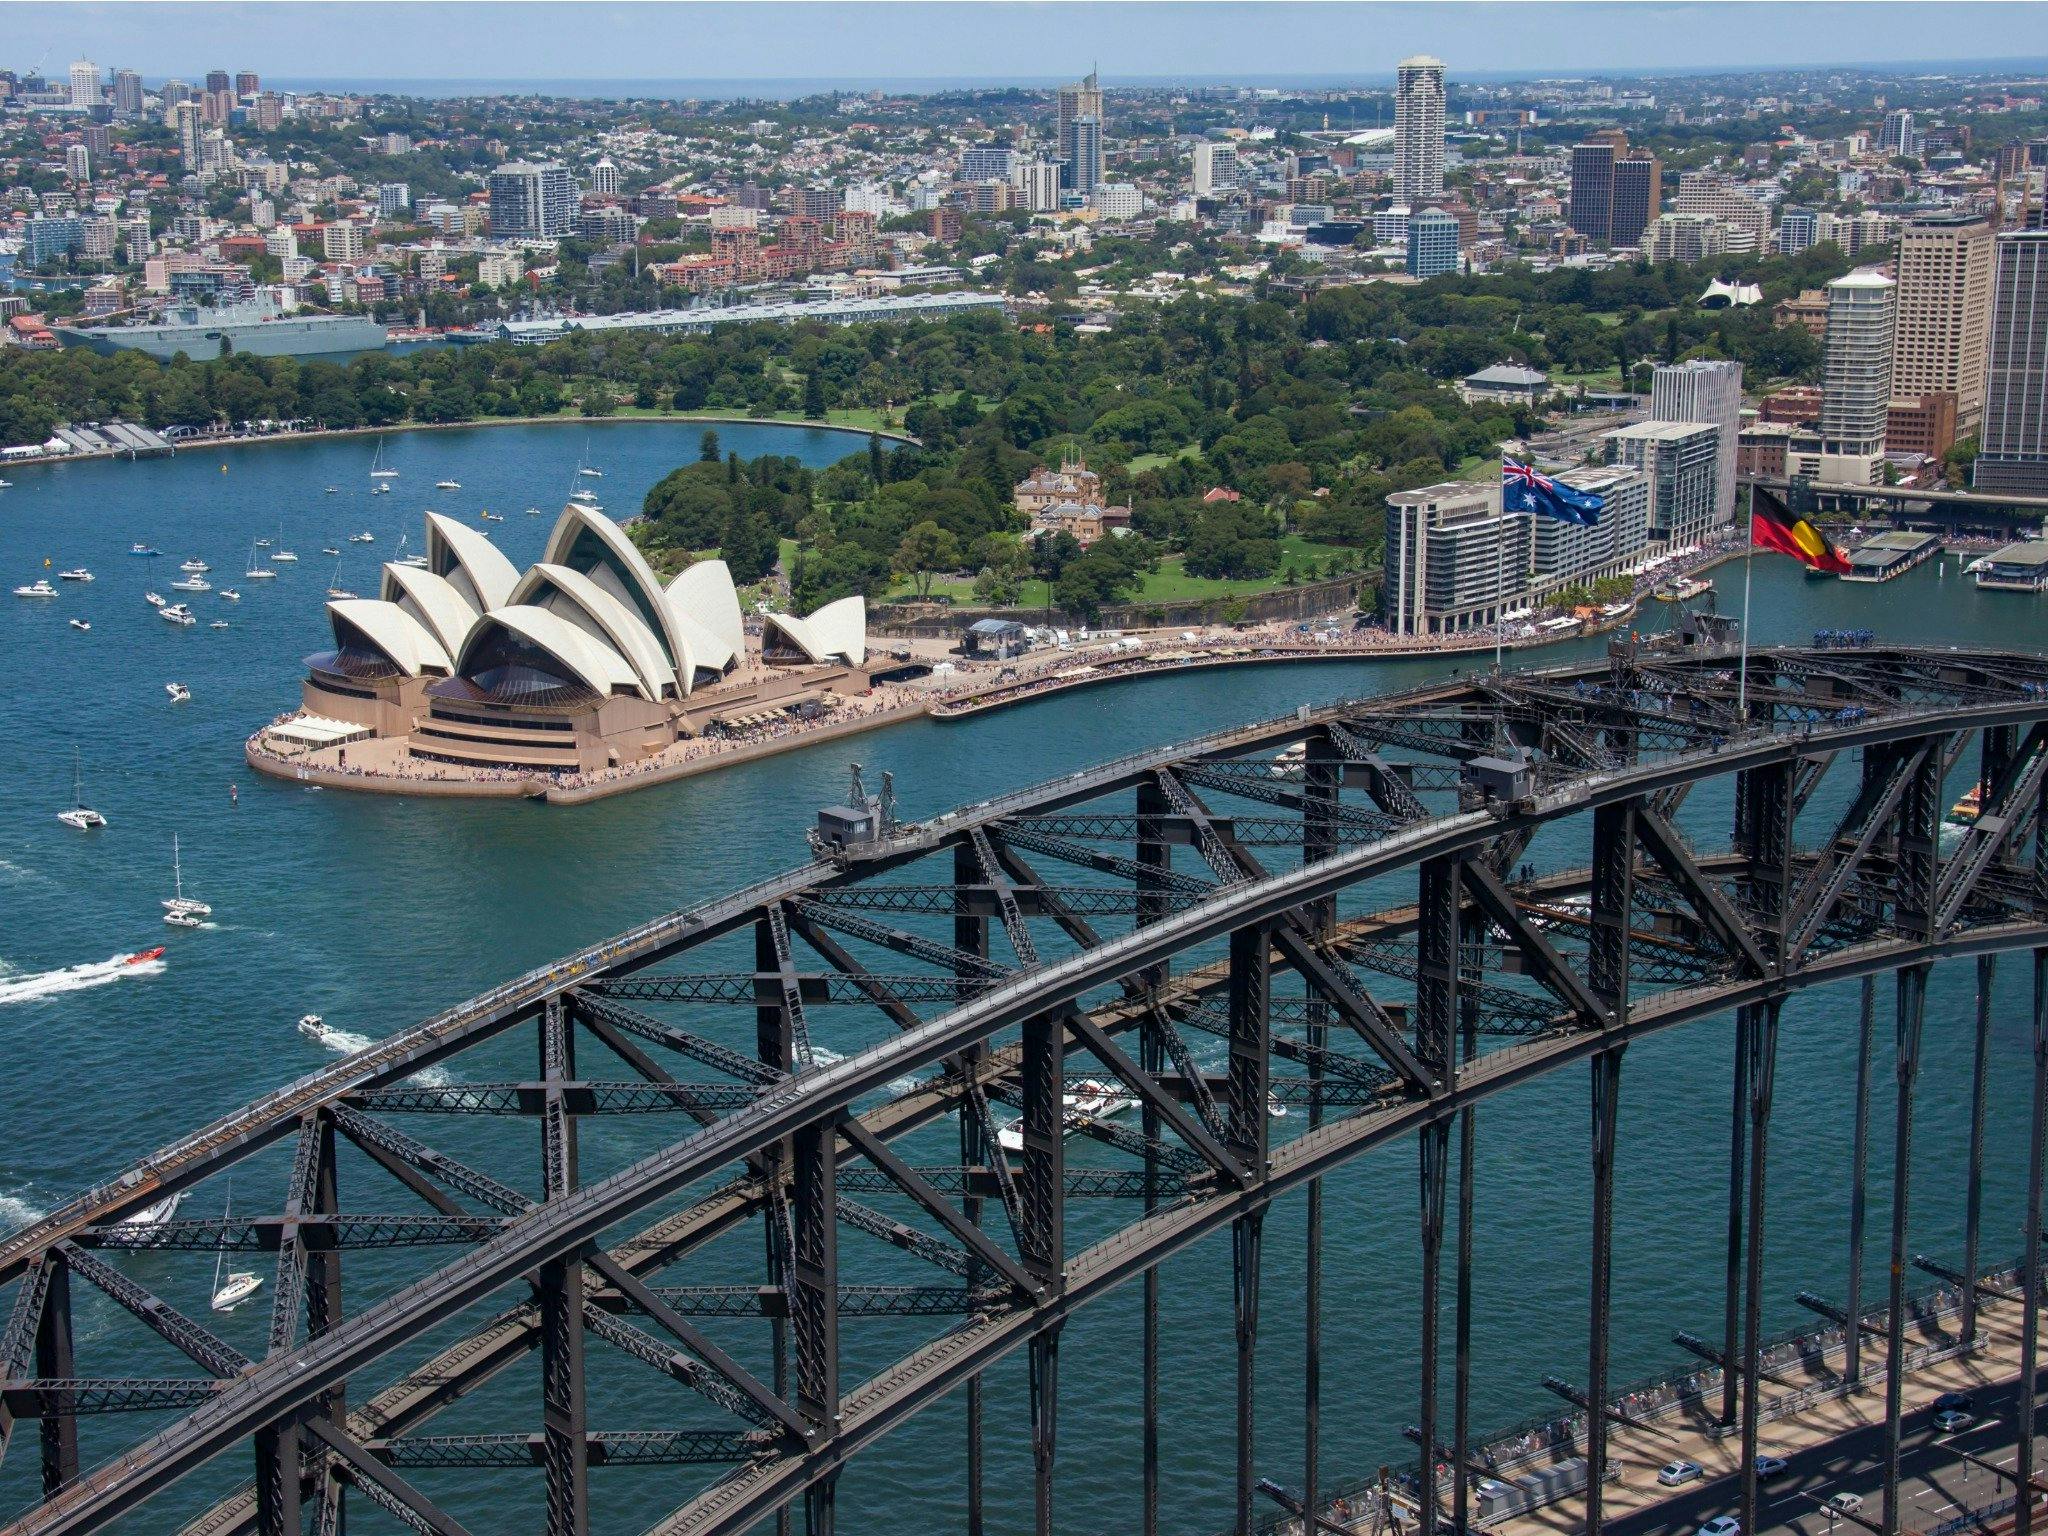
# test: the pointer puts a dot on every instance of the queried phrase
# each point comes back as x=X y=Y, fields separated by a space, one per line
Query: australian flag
x=1523 y=489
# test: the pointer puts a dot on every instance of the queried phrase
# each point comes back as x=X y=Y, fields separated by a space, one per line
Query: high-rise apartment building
x=247 y=84
x=1857 y=374
x=393 y=197
x=1798 y=230
x=1638 y=197
x=988 y=162
x=604 y=178
x=78 y=162
x=127 y=93
x=85 y=84
x=1700 y=390
x=532 y=200
x=1682 y=462
x=1945 y=268
x=1215 y=168
x=342 y=241
x=1592 y=191
x=1418 y=131
x=1713 y=194
x=2013 y=439
x=1896 y=137
x=1432 y=243
x=1038 y=184
x=187 y=123
x=1454 y=560
x=1071 y=105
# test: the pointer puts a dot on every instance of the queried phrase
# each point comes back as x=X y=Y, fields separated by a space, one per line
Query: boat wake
x=346 y=1042
x=17 y=1212
x=37 y=985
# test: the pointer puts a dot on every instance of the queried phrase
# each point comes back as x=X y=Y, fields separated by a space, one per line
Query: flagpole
x=1748 y=560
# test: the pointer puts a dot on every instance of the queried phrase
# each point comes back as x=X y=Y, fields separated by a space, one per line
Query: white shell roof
x=627 y=576
x=596 y=665
x=405 y=641
x=604 y=619
x=433 y=600
x=704 y=594
x=837 y=631
x=459 y=547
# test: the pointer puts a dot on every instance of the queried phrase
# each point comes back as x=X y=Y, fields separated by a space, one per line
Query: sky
x=821 y=40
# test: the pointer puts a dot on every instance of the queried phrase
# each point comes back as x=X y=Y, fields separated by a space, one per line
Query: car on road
x=1680 y=1472
x=1954 y=1402
x=1768 y=1467
x=1722 y=1525
x=1844 y=1503
x=1950 y=1420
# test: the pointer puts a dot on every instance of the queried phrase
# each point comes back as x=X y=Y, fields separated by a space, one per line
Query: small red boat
x=143 y=956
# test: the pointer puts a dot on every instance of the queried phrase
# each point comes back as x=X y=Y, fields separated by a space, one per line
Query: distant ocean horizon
x=770 y=89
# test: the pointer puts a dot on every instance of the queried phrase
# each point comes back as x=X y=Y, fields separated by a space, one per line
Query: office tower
x=186 y=124
x=1798 y=230
x=1592 y=194
x=988 y=162
x=1418 y=131
x=1215 y=168
x=2013 y=441
x=1857 y=377
x=532 y=200
x=246 y=84
x=1944 y=310
x=78 y=162
x=85 y=84
x=1638 y=197
x=127 y=93
x=1708 y=392
x=604 y=178
x=1896 y=137
x=1682 y=462
x=1071 y=105
x=1084 y=172
x=1432 y=244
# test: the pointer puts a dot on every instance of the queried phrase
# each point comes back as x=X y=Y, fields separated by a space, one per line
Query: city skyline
x=860 y=44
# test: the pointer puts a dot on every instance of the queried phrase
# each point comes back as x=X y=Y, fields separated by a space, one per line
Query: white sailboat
x=280 y=555
x=239 y=1286
x=257 y=571
x=377 y=469
x=180 y=910
x=334 y=587
x=81 y=815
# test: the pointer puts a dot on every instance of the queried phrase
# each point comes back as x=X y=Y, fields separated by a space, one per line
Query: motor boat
x=143 y=549
x=144 y=956
x=587 y=498
x=195 y=567
x=36 y=588
x=533 y=511
x=365 y=537
x=81 y=815
x=263 y=543
x=380 y=490
x=447 y=485
x=154 y=599
x=81 y=624
x=157 y=1212
x=76 y=573
x=192 y=584
x=178 y=904
x=176 y=613
x=218 y=624
x=282 y=557
x=230 y=595
x=311 y=1024
x=489 y=517
x=1086 y=1099
x=178 y=691
x=329 y=549
x=333 y=489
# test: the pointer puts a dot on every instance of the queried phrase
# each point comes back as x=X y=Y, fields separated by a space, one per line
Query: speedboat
x=230 y=595
x=36 y=588
x=178 y=691
x=218 y=624
x=365 y=537
x=76 y=573
x=81 y=624
x=447 y=485
x=144 y=956
x=143 y=549
x=195 y=566
x=329 y=549
x=176 y=613
x=313 y=1025
x=192 y=584
x=154 y=599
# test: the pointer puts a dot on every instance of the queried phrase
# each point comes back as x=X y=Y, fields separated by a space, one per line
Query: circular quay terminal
x=1268 y=768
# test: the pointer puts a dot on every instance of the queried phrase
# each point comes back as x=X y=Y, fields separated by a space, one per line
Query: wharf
x=1891 y=555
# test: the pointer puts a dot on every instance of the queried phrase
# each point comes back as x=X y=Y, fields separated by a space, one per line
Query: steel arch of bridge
x=1226 y=872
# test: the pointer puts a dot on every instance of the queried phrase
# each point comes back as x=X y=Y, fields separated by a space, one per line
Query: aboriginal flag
x=1773 y=525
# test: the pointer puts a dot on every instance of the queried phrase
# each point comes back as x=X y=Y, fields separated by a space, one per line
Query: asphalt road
x=1935 y=1483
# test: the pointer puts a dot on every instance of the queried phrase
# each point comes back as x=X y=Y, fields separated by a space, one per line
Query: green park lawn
x=1145 y=461
x=1169 y=584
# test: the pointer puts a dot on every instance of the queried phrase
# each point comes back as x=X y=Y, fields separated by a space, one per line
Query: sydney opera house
x=584 y=661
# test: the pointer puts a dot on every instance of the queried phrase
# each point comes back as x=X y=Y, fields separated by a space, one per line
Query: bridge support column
x=1912 y=1007
x=1322 y=775
x=1731 y=1287
x=1859 y=1171
x=1152 y=1057
x=1761 y=1039
x=814 y=1275
x=821 y=1502
x=277 y=1481
x=58 y=1432
x=1606 y=1114
x=1045 y=1413
x=2030 y=1297
x=1973 y=1197
x=1435 y=1149
x=1250 y=1005
x=565 y=1443
x=970 y=934
x=1246 y=1234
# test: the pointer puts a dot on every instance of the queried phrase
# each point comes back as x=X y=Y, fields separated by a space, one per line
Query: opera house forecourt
x=465 y=675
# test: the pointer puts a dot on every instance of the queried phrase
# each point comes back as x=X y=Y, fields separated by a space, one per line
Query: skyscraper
x=247 y=84
x=2013 y=440
x=85 y=84
x=1085 y=169
x=1856 y=381
x=78 y=162
x=1592 y=194
x=604 y=178
x=185 y=121
x=1638 y=197
x=532 y=200
x=1073 y=103
x=1418 y=131
x=1944 y=311
x=1896 y=137
x=127 y=93
x=1705 y=391
x=1215 y=168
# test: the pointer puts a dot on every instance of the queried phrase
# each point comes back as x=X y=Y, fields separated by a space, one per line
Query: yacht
x=179 y=692
x=156 y=1213
x=230 y=595
x=257 y=570
x=334 y=587
x=377 y=469
x=280 y=555
x=36 y=588
x=263 y=543
x=584 y=497
x=176 y=613
x=81 y=815
x=192 y=584
x=195 y=567
x=154 y=599
x=595 y=474
x=365 y=537
x=447 y=485
x=81 y=624
x=143 y=549
x=76 y=573
x=180 y=902
x=230 y=1292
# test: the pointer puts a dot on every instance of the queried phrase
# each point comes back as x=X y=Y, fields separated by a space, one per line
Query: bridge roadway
x=295 y=1378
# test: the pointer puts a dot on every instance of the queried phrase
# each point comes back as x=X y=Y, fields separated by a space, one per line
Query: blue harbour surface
x=374 y=911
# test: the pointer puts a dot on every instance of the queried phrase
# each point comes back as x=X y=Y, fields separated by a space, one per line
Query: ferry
x=1964 y=812
x=76 y=573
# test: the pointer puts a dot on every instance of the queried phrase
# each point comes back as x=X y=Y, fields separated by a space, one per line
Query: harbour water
x=374 y=911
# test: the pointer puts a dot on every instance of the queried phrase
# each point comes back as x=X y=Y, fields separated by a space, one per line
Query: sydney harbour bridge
x=1289 y=945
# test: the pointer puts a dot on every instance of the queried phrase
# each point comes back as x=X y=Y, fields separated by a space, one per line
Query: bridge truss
x=1283 y=945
